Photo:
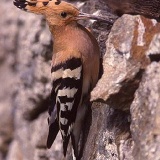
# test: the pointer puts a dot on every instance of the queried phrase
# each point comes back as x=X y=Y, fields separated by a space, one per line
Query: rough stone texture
x=130 y=49
x=145 y=109
x=126 y=57
x=109 y=134
x=144 y=7
x=7 y=82
x=132 y=46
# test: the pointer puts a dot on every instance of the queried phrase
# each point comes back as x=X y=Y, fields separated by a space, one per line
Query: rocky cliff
x=123 y=122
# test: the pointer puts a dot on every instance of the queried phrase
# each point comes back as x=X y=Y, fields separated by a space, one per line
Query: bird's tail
x=53 y=131
x=78 y=130
x=35 y=6
x=65 y=144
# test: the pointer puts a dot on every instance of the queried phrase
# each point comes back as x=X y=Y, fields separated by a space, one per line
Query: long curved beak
x=82 y=15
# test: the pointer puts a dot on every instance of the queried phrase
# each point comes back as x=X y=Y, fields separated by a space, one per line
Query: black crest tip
x=45 y=3
x=20 y=4
x=57 y=2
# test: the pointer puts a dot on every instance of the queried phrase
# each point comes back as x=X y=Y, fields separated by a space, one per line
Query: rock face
x=123 y=122
x=145 y=7
x=145 y=111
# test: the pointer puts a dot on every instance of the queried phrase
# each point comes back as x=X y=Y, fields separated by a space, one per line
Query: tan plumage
x=75 y=68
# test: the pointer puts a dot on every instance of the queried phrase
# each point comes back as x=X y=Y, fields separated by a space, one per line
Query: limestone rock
x=143 y=7
x=130 y=79
x=132 y=45
x=127 y=49
x=109 y=134
x=145 y=109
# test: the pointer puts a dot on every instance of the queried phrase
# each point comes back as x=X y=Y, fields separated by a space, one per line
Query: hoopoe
x=75 y=68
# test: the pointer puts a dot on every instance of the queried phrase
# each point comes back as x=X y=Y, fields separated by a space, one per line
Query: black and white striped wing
x=52 y=120
x=68 y=78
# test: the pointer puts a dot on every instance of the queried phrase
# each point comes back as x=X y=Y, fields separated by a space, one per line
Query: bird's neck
x=61 y=36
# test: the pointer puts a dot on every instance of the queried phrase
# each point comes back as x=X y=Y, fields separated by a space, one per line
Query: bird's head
x=57 y=12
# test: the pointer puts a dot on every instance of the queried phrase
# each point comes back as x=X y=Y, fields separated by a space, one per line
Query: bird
x=74 y=70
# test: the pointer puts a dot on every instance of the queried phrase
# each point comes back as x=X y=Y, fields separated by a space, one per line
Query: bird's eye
x=63 y=14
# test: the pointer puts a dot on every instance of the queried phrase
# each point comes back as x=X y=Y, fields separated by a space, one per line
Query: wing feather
x=69 y=97
x=66 y=97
